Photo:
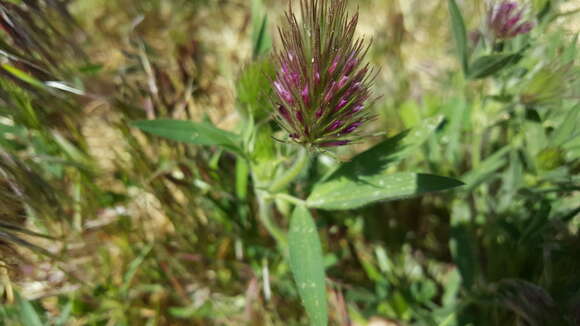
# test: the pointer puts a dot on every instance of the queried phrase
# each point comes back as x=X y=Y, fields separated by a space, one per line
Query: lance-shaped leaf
x=376 y=159
x=28 y=314
x=261 y=39
x=197 y=133
x=459 y=34
x=490 y=64
x=345 y=191
x=307 y=265
x=23 y=76
x=464 y=253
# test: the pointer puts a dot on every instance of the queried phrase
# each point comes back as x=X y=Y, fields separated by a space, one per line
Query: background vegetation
x=101 y=224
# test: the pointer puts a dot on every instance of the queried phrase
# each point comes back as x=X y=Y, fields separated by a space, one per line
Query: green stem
x=285 y=179
x=265 y=216
x=289 y=198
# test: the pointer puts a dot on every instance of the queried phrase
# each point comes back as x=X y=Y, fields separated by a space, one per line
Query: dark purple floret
x=322 y=85
x=506 y=20
x=335 y=125
x=284 y=113
x=352 y=127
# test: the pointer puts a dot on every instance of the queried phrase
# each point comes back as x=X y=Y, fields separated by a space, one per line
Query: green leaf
x=464 y=253
x=197 y=133
x=376 y=159
x=345 y=191
x=22 y=75
x=260 y=36
x=242 y=175
x=486 y=169
x=568 y=130
x=8 y=129
x=133 y=268
x=262 y=41
x=488 y=65
x=307 y=265
x=28 y=315
x=459 y=34
x=64 y=315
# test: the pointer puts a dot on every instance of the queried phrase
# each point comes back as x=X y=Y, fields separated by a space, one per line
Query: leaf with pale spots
x=349 y=192
x=307 y=265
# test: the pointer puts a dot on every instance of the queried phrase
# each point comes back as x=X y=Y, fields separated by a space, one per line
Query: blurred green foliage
x=101 y=224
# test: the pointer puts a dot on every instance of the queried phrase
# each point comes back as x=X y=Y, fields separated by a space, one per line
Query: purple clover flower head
x=322 y=88
x=506 y=19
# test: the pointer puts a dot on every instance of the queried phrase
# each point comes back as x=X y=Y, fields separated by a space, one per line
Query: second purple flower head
x=507 y=19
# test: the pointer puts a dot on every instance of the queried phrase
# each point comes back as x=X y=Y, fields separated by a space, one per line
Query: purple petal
x=353 y=126
x=284 y=113
x=335 y=125
x=357 y=108
x=523 y=29
x=292 y=78
x=505 y=19
x=330 y=93
x=283 y=92
x=341 y=104
x=285 y=69
x=316 y=70
x=503 y=12
x=319 y=113
x=510 y=23
x=333 y=66
x=350 y=64
x=352 y=89
x=299 y=116
x=305 y=97
x=343 y=81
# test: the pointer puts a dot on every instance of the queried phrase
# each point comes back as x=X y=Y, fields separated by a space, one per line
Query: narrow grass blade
x=134 y=267
x=261 y=39
x=459 y=34
x=23 y=76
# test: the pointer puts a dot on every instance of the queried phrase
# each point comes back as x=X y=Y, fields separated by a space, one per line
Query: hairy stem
x=265 y=216
x=289 y=176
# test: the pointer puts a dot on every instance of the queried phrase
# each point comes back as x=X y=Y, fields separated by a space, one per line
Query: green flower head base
x=322 y=85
